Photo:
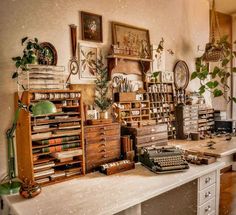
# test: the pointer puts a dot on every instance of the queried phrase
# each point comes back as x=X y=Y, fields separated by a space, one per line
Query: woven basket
x=212 y=53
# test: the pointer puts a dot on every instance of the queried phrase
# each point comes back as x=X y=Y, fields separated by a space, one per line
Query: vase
x=103 y=115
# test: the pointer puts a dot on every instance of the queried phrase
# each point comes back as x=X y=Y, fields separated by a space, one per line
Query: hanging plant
x=216 y=80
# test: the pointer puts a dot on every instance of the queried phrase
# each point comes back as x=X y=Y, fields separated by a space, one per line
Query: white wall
x=182 y=23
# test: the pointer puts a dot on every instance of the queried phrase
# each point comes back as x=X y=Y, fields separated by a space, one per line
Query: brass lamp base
x=10 y=187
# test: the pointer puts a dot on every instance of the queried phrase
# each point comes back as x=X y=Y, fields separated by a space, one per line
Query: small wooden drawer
x=207 y=180
x=208 y=208
x=101 y=128
x=207 y=194
x=150 y=138
x=106 y=146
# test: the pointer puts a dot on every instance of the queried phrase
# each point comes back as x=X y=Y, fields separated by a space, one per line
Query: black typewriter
x=163 y=159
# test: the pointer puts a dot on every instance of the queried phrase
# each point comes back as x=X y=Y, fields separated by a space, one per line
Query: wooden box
x=124 y=97
x=120 y=168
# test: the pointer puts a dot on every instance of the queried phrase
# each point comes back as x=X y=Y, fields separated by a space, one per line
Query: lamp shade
x=42 y=108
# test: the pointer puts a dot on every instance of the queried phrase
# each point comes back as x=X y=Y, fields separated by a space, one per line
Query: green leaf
x=224 y=62
x=234 y=69
x=36 y=40
x=23 y=40
x=215 y=71
x=202 y=89
x=15 y=75
x=16 y=58
x=193 y=75
x=212 y=84
x=217 y=93
x=18 y=64
x=29 y=46
x=234 y=99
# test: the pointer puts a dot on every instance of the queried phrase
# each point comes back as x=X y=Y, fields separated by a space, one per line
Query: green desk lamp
x=9 y=185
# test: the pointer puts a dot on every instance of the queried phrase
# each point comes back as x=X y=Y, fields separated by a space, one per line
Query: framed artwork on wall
x=88 y=55
x=134 y=41
x=91 y=25
x=158 y=63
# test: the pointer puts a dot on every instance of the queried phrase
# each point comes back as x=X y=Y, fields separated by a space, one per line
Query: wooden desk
x=131 y=192
x=223 y=149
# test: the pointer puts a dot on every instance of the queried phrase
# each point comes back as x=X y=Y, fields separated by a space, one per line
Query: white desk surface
x=222 y=147
x=99 y=194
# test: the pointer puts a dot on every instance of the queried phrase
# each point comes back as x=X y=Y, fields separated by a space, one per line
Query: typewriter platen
x=163 y=159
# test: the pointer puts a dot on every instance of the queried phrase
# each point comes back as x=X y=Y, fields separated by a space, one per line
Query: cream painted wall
x=234 y=64
x=182 y=23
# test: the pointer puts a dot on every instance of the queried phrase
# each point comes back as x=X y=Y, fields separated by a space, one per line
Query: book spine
x=57 y=140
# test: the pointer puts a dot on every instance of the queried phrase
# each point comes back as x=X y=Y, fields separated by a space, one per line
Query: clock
x=181 y=75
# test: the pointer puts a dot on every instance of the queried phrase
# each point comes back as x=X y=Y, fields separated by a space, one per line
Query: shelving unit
x=186 y=120
x=162 y=104
x=133 y=111
x=206 y=120
x=50 y=148
x=113 y=61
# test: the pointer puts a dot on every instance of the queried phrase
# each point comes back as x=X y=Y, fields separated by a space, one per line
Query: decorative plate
x=49 y=54
x=181 y=75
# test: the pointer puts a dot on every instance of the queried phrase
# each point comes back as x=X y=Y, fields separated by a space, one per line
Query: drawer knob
x=208 y=208
x=103 y=133
x=104 y=156
x=207 y=180
x=208 y=194
x=153 y=130
x=152 y=138
x=104 y=150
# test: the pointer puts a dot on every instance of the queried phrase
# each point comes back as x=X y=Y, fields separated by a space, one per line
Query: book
x=56 y=141
x=43 y=166
x=42 y=180
x=56 y=148
x=44 y=173
x=42 y=135
x=67 y=154
x=67 y=132
x=39 y=127
x=58 y=174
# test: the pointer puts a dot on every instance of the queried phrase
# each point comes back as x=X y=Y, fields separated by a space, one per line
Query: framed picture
x=158 y=63
x=167 y=77
x=91 y=25
x=131 y=40
x=87 y=60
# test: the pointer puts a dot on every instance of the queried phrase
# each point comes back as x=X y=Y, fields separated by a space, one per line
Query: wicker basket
x=212 y=53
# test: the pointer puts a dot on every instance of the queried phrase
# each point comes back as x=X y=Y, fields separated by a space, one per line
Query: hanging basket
x=212 y=53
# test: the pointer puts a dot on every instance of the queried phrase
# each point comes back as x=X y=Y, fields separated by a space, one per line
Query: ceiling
x=226 y=6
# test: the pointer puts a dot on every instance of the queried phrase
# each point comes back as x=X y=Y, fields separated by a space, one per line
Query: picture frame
x=158 y=63
x=131 y=40
x=167 y=77
x=91 y=27
x=88 y=55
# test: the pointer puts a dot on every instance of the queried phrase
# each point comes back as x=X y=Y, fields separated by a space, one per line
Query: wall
x=182 y=23
x=234 y=64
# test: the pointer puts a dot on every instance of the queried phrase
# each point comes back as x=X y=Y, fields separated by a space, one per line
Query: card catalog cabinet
x=186 y=120
x=102 y=144
x=147 y=135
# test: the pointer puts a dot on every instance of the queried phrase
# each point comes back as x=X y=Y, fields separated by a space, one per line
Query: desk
x=127 y=192
x=224 y=149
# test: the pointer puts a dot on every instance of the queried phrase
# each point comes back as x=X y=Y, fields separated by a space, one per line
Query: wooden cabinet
x=186 y=120
x=147 y=135
x=206 y=120
x=162 y=104
x=50 y=147
x=133 y=111
x=102 y=144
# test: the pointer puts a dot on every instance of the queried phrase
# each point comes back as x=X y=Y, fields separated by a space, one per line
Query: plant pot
x=103 y=115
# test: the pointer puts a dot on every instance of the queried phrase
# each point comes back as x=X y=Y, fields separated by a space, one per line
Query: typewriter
x=163 y=159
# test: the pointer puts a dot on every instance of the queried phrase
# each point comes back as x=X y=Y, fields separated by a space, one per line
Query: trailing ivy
x=216 y=81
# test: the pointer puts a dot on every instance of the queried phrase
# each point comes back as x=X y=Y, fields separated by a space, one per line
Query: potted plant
x=31 y=49
x=216 y=81
x=102 y=101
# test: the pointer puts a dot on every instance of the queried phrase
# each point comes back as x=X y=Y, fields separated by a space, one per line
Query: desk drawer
x=208 y=208
x=207 y=194
x=91 y=129
x=207 y=180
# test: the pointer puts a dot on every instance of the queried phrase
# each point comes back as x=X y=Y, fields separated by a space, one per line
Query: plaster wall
x=182 y=23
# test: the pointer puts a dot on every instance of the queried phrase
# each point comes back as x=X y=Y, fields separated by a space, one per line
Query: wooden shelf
x=127 y=57
x=74 y=117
